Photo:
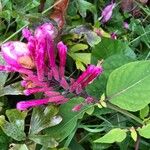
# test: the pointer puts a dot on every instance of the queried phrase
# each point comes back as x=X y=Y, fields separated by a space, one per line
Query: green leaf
x=114 y=135
x=144 y=131
x=13 y=89
x=78 y=47
x=133 y=134
x=128 y=86
x=44 y=140
x=144 y=112
x=43 y=118
x=69 y=122
x=83 y=6
x=4 y=141
x=108 y=47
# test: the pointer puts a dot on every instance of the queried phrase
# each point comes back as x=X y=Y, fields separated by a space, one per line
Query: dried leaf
x=59 y=11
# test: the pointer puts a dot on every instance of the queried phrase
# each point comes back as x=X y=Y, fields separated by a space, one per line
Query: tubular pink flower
x=97 y=72
x=82 y=77
x=62 y=50
x=107 y=12
x=23 y=105
x=13 y=51
x=85 y=78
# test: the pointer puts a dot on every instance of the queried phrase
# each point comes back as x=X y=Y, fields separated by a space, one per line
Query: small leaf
x=114 y=135
x=13 y=89
x=133 y=134
x=44 y=140
x=144 y=131
x=78 y=47
x=83 y=6
x=43 y=118
x=144 y=112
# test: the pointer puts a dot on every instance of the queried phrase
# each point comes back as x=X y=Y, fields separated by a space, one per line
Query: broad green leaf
x=43 y=118
x=128 y=86
x=44 y=140
x=69 y=122
x=144 y=112
x=11 y=129
x=111 y=63
x=144 y=131
x=114 y=135
x=83 y=6
x=108 y=47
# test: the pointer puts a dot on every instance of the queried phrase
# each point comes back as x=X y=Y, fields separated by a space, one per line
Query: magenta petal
x=107 y=12
x=12 y=51
x=26 y=33
x=62 y=50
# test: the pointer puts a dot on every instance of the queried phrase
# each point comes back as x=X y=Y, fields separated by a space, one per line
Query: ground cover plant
x=74 y=75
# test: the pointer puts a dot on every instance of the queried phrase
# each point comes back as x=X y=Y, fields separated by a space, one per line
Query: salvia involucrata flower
x=36 y=62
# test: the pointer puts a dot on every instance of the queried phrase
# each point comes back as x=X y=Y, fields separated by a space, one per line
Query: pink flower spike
x=107 y=12
x=13 y=51
x=82 y=77
x=62 y=50
x=26 y=33
x=77 y=107
x=23 y=105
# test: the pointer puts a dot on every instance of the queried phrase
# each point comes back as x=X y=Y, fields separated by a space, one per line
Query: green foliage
x=144 y=131
x=115 y=135
x=127 y=86
x=70 y=118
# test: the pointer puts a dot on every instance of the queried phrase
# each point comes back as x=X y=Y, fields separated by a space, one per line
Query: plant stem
x=124 y=112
